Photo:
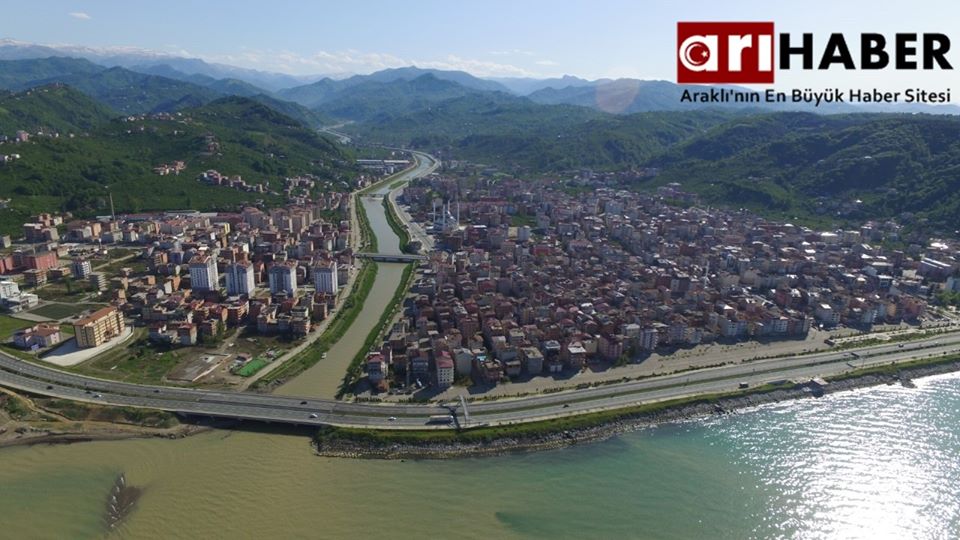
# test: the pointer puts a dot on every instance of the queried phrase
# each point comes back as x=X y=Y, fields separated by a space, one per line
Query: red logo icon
x=724 y=52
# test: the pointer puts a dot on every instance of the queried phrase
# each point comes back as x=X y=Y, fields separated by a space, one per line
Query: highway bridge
x=384 y=257
x=46 y=381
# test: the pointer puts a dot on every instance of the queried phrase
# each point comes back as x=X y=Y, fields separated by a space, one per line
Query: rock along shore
x=345 y=448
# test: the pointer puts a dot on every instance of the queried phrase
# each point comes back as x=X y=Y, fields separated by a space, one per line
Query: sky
x=492 y=38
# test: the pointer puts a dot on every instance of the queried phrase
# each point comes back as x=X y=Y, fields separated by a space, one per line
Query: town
x=528 y=279
x=533 y=279
x=189 y=281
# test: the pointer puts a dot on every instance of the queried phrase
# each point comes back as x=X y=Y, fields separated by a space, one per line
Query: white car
x=392 y=419
x=314 y=415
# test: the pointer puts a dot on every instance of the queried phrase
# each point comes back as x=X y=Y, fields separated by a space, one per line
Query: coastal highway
x=41 y=380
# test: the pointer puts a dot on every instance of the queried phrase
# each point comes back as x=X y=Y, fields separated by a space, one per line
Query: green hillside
x=377 y=100
x=53 y=108
x=155 y=89
x=249 y=139
x=305 y=116
x=502 y=129
x=848 y=167
x=128 y=92
x=23 y=74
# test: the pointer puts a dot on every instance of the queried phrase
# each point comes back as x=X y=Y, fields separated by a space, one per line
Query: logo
x=743 y=52
x=725 y=52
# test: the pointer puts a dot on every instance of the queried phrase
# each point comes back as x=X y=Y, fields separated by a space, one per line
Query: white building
x=325 y=277
x=81 y=268
x=9 y=289
x=523 y=233
x=445 y=372
x=203 y=273
x=283 y=278
x=649 y=339
x=827 y=315
x=240 y=278
x=14 y=301
x=953 y=284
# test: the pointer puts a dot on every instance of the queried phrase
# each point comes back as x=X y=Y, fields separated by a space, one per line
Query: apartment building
x=325 y=277
x=240 y=278
x=203 y=273
x=98 y=328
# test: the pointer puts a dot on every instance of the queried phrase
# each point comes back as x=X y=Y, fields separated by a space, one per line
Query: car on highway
x=49 y=387
x=98 y=396
x=392 y=419
x=303 y=402
x=314 y=415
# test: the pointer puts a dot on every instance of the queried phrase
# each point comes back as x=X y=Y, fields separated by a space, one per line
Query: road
x=41 y=380
x=414 y=228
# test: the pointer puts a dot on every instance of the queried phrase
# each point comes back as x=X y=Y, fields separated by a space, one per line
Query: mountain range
x=137 y=59
x=818 y=166
x=620 y=96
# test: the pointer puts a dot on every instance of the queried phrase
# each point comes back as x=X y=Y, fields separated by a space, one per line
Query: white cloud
x=475 y=67
x=343 y=62
x=549 y=63
x=353 y=61
x=80 y=15
x=513 y=52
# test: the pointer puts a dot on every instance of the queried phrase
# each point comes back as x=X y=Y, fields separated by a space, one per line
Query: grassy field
x=252 y=367
x=143 y=362
x=62 y=311
x=395 y=225
x=368 y=240
x=9 y=325
x=518 y=220
x=137 y=361
x=69 y=290
x=74 y=410
x=19 y=353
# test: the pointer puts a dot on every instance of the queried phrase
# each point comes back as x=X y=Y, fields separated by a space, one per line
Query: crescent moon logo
x=697 y=53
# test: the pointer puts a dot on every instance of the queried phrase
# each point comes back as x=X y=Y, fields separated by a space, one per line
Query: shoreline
x=696 y=408
x=34 y=435
x=30 y=433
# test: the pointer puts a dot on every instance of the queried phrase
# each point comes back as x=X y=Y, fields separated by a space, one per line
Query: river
x=872 y=463
x=324 y=378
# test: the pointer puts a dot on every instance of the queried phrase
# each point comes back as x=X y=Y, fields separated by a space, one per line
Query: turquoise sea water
x=873 y=463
